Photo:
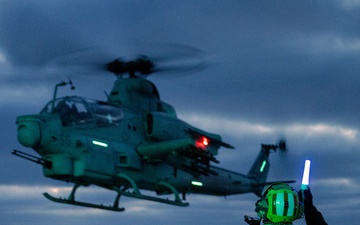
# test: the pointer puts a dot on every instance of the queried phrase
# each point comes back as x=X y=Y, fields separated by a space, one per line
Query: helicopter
x=131 y=142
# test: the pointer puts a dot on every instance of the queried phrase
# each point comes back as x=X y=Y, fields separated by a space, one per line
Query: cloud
x=349 y=4
x=240 y=128
x=280 y=69
x=3 y=59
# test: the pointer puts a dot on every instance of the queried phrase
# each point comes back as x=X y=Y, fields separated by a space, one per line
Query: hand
x=306 y=197
x=252 y=220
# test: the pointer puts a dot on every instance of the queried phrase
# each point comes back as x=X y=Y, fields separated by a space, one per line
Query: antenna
x=62 y=83
x=107 y=96
x=71 y=84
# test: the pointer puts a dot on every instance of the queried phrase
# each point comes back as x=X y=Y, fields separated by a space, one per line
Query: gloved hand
x=306 y=198
x=312 y=215
x=252 y=220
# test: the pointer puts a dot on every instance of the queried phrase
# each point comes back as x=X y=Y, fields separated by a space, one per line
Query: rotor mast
x=135 y=91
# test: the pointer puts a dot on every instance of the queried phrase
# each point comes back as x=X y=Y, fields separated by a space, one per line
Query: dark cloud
x=277 y=69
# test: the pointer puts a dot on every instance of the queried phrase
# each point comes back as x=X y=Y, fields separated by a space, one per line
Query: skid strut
x=137 y=194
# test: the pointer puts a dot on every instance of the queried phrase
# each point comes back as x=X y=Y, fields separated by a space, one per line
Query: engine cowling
x=170 y=136
x=162 y=127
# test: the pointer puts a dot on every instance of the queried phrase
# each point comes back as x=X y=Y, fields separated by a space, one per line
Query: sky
x=275 y=69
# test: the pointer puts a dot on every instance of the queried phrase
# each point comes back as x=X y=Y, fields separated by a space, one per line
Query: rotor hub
x=142 y=66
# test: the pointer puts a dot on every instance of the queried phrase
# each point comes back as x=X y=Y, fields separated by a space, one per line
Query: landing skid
x=135 y=193
x=85 y=204
x=71 y=201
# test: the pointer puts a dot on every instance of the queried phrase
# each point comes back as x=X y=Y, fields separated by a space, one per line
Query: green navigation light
x=262 y=166
x=99 y=143
x=196 y=183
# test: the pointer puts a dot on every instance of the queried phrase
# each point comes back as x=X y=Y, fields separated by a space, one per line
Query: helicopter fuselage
x=89 y=142
x=132 y=141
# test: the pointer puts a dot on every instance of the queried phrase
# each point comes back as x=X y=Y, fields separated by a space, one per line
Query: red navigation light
x=202 y=142
x=205 y=141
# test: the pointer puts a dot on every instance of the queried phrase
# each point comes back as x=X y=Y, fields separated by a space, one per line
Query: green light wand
x=306 y=174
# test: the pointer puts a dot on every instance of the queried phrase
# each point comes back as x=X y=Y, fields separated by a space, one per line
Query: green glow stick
x=306 y=174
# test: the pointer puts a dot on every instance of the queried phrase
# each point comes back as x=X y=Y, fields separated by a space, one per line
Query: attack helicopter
x=131 y=142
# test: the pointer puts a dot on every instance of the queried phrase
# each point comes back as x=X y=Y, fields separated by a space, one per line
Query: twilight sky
x=276 y=69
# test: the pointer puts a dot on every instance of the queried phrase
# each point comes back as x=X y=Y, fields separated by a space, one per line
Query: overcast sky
x=275 y=69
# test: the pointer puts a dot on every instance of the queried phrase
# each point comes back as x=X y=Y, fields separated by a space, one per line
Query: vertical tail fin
x=260 y=169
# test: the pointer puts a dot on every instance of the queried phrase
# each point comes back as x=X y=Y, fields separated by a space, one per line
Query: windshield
x=106 y=115
x=75 y=111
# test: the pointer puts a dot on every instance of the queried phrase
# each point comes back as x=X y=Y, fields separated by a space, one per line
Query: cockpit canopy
x=76 y=111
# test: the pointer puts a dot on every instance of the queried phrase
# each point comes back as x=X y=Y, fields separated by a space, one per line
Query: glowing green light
x=197 y=183
x=262 y=166
x=98 y=143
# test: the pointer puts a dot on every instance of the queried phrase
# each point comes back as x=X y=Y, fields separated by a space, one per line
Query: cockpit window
x=72 y=112
x=106 y=115
x=76 y=111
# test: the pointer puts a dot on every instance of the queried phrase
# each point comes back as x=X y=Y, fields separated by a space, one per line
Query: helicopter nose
x=29 y=134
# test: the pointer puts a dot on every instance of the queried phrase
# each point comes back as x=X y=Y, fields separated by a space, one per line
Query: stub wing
x=192 y=154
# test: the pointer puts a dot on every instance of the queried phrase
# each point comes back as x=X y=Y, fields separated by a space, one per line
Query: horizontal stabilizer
x=259 y=186
x=269 y=183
